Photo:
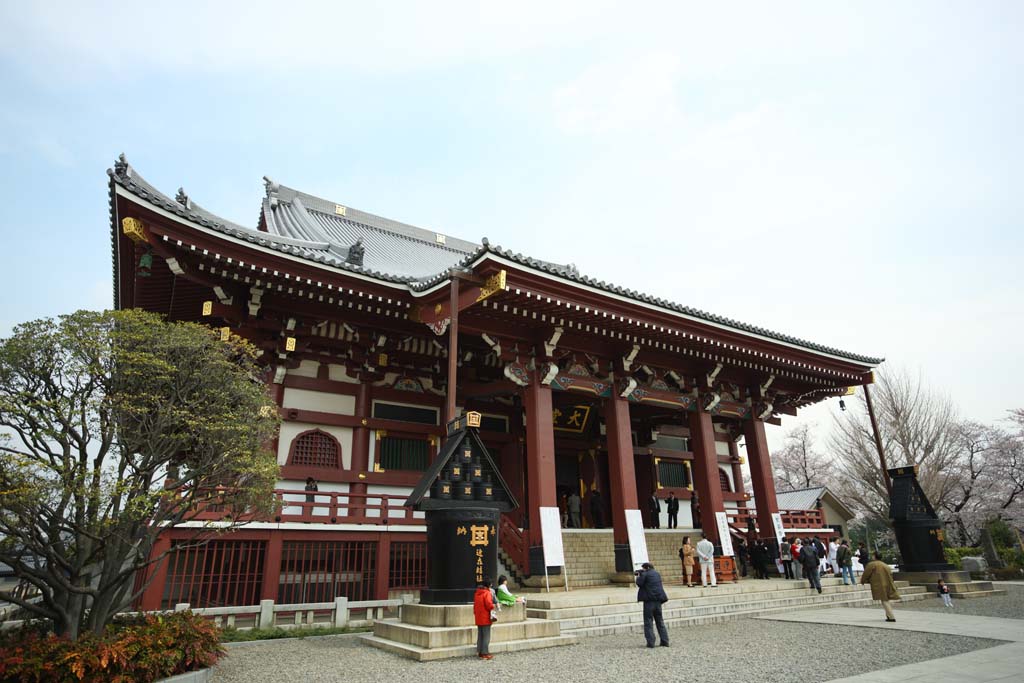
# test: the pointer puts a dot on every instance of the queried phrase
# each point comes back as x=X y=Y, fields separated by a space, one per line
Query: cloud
x=620 y=95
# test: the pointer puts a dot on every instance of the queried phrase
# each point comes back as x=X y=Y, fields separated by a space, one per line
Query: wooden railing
x=791 y=519
x=513 y=542
x=326 y=507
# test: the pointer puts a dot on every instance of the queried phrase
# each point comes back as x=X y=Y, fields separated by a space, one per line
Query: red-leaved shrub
x=153 y=647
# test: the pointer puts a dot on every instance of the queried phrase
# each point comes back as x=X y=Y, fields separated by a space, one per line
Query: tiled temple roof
x=315 y=229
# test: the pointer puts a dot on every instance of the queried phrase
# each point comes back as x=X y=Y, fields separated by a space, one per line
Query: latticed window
x=315 y=449
x=672 y=474
x=408 y=565
x=724 y=478
x=397 y=453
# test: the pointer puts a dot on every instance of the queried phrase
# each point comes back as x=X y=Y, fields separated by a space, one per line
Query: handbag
x=494 y=615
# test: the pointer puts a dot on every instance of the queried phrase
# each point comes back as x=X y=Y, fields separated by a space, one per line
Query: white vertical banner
x=551 y=537
x=637 y=539
x=780 y=532
x=724 y=535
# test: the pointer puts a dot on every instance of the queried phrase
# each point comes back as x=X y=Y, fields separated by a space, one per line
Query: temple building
x=375 y=333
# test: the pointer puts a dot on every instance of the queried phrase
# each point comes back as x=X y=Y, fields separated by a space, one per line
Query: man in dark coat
x=651 y=592
x=811 y=563
x=672 y=504
x=596 y=509
x=655 y=507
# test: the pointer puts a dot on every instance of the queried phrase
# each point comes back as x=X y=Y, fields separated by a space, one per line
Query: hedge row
x=150 y=648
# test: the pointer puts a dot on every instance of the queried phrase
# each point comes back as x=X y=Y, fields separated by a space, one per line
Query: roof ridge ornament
x=182 y=198
x=271 y=186
x=121 y=167
x=355 y=253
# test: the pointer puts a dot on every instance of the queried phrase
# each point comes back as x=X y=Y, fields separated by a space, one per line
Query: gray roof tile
x=311 y=227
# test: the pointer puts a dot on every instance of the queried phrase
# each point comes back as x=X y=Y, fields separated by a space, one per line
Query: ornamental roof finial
x=181 y=197
x=121 y=165
x=355 y=253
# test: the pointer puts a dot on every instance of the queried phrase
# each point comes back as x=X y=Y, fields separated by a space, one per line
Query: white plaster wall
x=721 y=448
x=304 y=399
x=339 y=374
x=289 y=430
x=322 y=486
x=396 y=511
x=307 y=368
x=728 y=473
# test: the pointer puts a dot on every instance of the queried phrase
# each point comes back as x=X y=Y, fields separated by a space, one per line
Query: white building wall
x=304 y=399
x=289 y=430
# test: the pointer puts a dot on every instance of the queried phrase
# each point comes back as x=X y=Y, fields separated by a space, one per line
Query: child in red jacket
x=483 y=608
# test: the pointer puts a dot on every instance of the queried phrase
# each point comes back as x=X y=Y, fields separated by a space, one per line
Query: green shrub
x=1011 y=557
x=231 y=635
x=142 y=651
x=953 y=555
x=1007 y=574
x=1002 y=534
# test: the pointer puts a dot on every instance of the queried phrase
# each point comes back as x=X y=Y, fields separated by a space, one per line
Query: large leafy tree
x=117 y=426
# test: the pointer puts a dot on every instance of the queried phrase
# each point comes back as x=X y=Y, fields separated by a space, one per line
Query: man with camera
x=652 y=593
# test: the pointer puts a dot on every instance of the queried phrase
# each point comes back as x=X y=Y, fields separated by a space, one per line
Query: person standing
x=311 y=489
x=786 y=557
x=654 y=505
x=947 y=599
x=819 y=548
x=686 y=554
x=574 y=504
x=651 y=592
x=742 y=556
x=844 y=556
x=483 y=609
x=862 y=556
x=706 y=556
x=833 y=550
x=811 y=564
x=878 y=574
x=672 y=505
x=596 y=509
x=797 y=567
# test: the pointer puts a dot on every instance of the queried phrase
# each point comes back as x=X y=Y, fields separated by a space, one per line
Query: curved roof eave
x=124 y=177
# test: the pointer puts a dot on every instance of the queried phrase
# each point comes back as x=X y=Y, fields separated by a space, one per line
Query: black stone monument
x=463 y=508
x=919 y=532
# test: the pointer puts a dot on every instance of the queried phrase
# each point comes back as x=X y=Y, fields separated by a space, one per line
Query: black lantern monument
x=919 y=532
x=463 y=496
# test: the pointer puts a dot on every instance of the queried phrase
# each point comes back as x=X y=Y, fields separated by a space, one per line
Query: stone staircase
x=590 y=556
x=608 y=611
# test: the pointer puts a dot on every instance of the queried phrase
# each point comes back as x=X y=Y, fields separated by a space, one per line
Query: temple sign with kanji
x=374 y=334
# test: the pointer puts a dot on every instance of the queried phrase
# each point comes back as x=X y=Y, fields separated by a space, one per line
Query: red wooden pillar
x=540 y=467
x=360 y=449
x=157 y=573
x=272 y=566
x=761 y=477
x=706 y=480
x=622 y=474
x=737 y=472
x=383 y=576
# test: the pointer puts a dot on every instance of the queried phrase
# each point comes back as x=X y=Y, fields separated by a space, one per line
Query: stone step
x=635 y=616
x=704 y=619
x=709 y=599
x=426 y=655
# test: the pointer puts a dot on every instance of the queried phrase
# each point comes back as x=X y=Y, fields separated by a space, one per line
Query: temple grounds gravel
x=1009 y=606
x=748 y=650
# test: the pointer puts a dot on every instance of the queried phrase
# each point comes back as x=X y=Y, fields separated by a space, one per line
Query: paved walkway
x=1001 y=663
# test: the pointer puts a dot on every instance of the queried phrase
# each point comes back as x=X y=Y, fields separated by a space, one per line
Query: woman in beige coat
x=878 y=574
x=686 y=554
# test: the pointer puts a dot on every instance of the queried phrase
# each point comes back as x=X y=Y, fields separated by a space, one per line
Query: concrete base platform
x=432 y=632
x=961 y=587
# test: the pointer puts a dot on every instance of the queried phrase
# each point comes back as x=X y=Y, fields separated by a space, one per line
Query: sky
x=848 y=173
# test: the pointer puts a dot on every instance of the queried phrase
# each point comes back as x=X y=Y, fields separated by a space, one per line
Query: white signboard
x=780 y=532
x=637 y=539
x=551 y=537
x=724 y=536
